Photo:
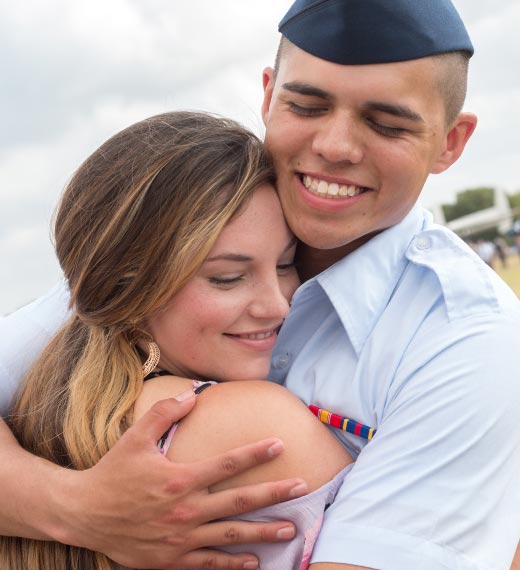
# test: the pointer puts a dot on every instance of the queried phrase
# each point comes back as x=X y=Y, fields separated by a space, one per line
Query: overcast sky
x=73 y=72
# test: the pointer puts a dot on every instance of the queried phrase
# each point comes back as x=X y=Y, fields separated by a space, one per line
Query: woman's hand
x=144 y=511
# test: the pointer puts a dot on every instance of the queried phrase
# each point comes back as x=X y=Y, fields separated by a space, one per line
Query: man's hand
x=144 y=511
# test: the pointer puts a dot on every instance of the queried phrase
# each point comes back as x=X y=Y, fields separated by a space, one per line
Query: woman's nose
x=269 y=301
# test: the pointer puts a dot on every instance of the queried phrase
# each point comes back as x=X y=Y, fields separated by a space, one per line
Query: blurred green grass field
x=511 y=273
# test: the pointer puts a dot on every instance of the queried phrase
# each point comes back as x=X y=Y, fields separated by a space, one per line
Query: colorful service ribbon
x=342 y=423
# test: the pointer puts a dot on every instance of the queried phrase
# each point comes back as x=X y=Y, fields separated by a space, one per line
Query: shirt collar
x=361 y=284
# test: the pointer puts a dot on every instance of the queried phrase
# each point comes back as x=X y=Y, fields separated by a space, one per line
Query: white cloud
x=493 y=152
x=76 y=71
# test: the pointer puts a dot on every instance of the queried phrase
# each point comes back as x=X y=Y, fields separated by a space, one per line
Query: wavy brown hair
x=135 y=222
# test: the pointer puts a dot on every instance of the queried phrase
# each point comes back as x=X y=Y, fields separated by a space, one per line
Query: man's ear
x=268 y=84
x=455 y=142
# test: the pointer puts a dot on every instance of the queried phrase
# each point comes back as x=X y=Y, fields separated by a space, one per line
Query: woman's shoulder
x=159 y=388
x=231 y=414
x=249 y=397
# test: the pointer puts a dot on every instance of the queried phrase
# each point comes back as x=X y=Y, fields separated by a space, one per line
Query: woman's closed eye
x=283 y=268
x=225 y=279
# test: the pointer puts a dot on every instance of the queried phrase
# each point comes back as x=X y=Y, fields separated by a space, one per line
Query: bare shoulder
x=231 y=414
x=156 y=389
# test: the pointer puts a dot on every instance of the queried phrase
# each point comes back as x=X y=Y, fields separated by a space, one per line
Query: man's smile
x=326 y=189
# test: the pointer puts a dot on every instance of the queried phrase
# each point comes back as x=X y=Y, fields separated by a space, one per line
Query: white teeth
x=322 y=187
x=332 y=190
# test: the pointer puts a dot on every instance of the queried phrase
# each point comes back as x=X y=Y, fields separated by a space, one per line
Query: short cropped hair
x=452 y=81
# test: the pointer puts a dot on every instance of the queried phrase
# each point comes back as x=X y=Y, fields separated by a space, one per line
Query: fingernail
x=250 y=565
x=298 y=490
x=275 y=449
x=285 y=533
x=185 y=396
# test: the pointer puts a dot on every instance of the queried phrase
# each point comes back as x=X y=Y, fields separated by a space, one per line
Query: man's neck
x=311 y=261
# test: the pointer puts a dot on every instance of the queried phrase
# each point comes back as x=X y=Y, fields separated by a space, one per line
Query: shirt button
x=423 y=243
x=281 y=362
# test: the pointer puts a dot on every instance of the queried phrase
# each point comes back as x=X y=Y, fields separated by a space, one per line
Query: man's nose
x=338 y=139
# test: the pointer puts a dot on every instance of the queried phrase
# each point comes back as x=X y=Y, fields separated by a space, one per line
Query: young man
x=402 y=329
x=398 y=326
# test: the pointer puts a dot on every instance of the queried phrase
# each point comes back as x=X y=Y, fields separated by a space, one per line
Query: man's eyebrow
x=306 y=89
x=397 y=110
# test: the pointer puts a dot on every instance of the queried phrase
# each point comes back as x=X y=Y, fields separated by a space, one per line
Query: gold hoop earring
x=154 y=354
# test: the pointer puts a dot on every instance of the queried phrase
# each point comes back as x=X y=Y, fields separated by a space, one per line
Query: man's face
x=353 y=145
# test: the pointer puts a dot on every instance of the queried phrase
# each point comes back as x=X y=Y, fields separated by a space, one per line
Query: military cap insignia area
x=358 y=32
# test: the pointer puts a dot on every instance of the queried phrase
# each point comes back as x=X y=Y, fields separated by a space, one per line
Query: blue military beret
x=357 y=32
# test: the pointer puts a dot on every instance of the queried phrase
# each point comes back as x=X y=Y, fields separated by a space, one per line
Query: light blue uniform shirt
x=24 y=334
x=412 y=334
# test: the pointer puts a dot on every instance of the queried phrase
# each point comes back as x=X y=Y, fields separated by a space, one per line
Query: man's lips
x=332 y=190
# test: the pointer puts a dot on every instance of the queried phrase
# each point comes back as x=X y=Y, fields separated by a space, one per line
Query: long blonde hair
x=135 y=223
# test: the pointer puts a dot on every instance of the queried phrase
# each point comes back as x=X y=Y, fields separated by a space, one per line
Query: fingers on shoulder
x=156 y=396
x=234 y=414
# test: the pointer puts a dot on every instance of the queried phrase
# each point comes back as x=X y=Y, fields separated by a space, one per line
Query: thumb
x=159 y=418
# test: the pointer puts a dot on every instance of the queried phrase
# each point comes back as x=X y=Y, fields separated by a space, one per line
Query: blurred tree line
x=514 y=201
x=469 y=201
x=475 y=199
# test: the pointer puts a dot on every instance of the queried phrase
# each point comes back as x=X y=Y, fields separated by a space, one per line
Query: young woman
x=180 y=269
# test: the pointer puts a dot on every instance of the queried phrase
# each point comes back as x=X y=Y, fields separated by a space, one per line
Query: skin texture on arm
x=132 y=504
x=232 y=414
x=19 y=515
x=235 y=413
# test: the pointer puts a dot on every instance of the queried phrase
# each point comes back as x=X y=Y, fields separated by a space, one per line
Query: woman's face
x=223 y=323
